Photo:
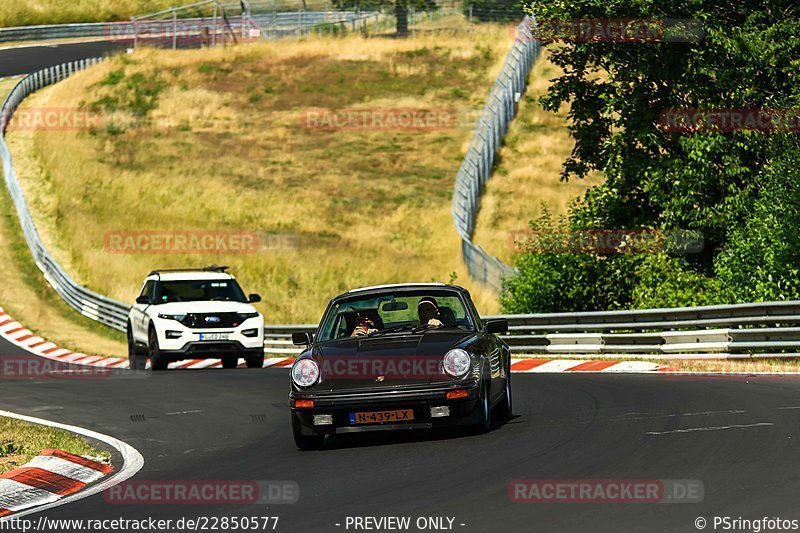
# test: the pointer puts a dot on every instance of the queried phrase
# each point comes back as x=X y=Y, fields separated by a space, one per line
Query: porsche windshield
x=383 y=314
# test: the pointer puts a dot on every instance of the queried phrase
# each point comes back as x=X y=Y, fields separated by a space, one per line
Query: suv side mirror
x=302 y=338
x=253 y=298
x=497 y=326
x=143 y=300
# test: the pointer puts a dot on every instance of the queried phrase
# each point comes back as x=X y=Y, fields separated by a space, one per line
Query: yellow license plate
x=376 y=417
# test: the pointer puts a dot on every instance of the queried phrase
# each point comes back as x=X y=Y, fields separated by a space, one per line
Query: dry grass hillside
x=217 y=140
x=29 y=12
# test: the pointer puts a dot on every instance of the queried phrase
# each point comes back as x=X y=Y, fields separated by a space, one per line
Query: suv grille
x=212 y=320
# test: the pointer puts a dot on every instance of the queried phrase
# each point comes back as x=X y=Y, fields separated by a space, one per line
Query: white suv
x=194 y=314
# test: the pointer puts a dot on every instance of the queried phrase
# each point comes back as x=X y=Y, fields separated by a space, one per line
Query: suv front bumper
x=211 y=350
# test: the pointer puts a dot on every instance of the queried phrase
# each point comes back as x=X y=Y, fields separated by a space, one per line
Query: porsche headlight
x=456 y=362
x=305 y=372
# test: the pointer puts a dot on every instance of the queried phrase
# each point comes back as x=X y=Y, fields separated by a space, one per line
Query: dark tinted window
x=199 y=291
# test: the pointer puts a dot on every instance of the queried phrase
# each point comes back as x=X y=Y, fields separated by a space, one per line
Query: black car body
x=394 y=378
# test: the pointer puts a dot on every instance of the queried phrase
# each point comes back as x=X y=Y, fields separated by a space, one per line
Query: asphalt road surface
x=16 y=61
x=739 y=436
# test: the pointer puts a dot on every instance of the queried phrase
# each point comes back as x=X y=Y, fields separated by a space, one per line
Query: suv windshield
x=380 y=314
x=199 y=291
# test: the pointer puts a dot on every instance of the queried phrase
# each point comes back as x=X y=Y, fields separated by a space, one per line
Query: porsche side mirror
x=302 y=338
x=497 y=326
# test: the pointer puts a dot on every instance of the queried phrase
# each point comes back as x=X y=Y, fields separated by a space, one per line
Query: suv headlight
x=179 y=318
x=305 y=372
x=456 y=362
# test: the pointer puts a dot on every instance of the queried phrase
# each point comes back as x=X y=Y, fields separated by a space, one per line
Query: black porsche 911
x=397 y=357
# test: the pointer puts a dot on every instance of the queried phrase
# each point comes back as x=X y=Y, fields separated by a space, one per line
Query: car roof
x=402 y=287
x=188 y=275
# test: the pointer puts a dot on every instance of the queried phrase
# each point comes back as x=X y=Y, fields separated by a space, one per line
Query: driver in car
x=428 y=311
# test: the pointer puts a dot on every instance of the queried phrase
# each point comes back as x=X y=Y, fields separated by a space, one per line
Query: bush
x=761 y=259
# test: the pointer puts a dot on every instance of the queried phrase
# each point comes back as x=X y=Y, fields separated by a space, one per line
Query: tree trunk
x=401 y=12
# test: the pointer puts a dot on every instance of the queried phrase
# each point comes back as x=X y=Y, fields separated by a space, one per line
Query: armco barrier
x=476 y=169
x=274 y=24
x=83 y=300
x=769 y=329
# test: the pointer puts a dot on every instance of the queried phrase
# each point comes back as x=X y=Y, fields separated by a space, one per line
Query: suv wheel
x=157 y=360
x=230 y=361
x=136 y=361
x=255 y=361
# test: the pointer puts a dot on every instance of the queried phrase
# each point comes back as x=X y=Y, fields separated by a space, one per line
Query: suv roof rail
x=210 y=268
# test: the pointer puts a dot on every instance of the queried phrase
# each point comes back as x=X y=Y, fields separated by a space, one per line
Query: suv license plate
x=213 y=336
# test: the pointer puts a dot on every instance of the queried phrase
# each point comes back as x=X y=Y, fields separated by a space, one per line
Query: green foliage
x=736 y=188
x=761 y=260
x=136 y=93
x=558 y=280
x=495 y=10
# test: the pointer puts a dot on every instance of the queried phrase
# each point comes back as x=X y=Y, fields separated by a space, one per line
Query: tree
x=711 y=182
x=400 y=8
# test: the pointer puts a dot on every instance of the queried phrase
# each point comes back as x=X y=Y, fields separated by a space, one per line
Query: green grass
x=22 y=441
x=23 y=264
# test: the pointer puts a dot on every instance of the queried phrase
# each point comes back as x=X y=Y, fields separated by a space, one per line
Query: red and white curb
x=18 y=335
x=526 y=366
x=47 y=490
x=47 y=478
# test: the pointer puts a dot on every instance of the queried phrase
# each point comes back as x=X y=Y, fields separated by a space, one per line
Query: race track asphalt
x=234 y=425
x=14 y=61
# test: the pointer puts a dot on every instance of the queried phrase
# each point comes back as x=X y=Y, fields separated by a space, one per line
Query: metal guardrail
x=274 y=24
x=757 y=330
x=91 y=304
x=476 y=169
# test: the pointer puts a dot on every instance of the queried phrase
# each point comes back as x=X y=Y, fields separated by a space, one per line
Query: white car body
x=195 y=329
